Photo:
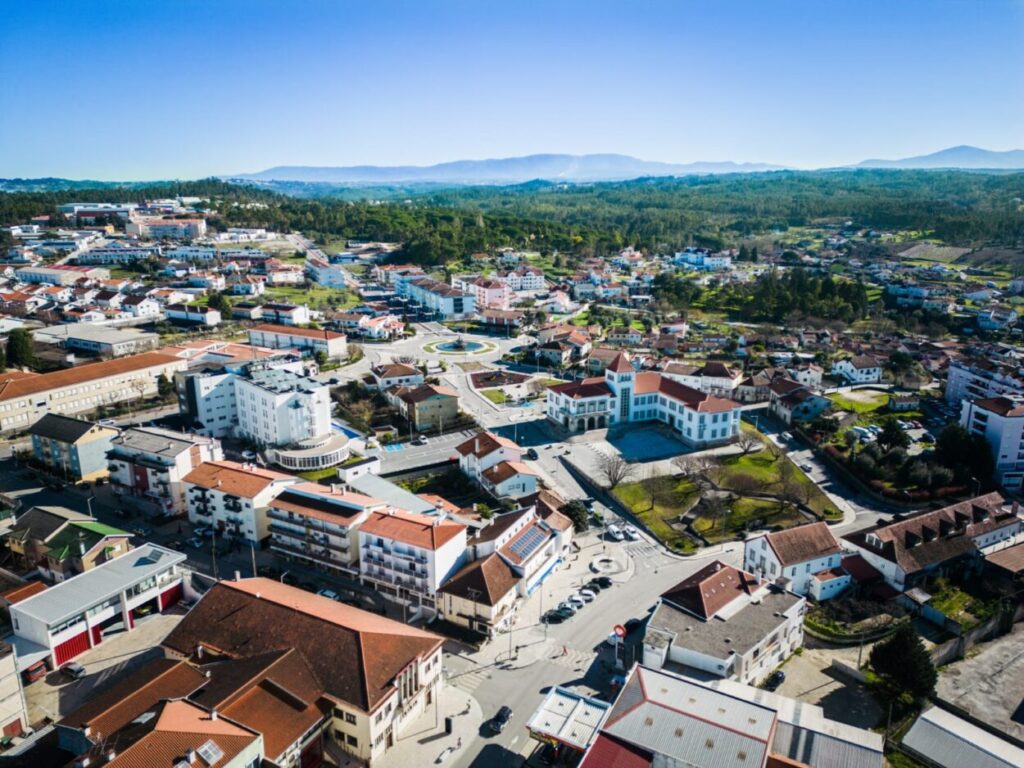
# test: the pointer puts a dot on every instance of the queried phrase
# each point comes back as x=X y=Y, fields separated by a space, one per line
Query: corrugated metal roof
x=952 y=742
x=74 y=596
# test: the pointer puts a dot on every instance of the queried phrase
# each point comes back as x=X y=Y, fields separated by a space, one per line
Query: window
x=350 y=718
x=352 y=741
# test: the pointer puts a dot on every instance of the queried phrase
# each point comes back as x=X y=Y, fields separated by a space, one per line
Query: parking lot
x=643 y=444
x=809 y=678
x=55 y=695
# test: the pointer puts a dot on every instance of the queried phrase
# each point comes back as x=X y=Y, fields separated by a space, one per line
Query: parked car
x=567 y=607
x=605 y=581
x=203 y=531
x=330 y=594
x=631 y=533
x=106 y=422
x=616 y=533
x=777 y=678
x=577 y=601
x=421 y=440
x=143 y=531
x=553 y=617
x=73 y=670
x=593 y=585
x=196 y=543
x=807 y=467
x=787 y=435
x=588 y=594
x=532 y=454
x=501 y=720
x=249 y=455
x=927 y=437
x=35 y=672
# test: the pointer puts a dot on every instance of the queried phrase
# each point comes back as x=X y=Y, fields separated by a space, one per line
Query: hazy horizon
x=122 y=91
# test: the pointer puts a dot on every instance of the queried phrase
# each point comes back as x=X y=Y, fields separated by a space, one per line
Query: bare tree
x=695 y=465
x=748 y=441
x=745 y=485
x=613 y=469
x=716 y=506
x=790 y=487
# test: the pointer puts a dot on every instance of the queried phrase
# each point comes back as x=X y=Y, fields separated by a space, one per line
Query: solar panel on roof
x=528 y=543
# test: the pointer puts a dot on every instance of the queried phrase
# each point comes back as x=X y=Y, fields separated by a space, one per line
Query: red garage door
x=97 y=635
x=71 y=647
x=170 y=597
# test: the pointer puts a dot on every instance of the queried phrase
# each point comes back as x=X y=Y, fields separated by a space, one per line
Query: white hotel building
x=622 y=395
x=1000 y=420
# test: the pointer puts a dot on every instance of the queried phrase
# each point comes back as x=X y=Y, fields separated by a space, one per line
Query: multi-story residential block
x=119 y=253
x=314 y=340
x=60 y=274
x=485 y=450
x=171 y=229
x=192 y=253
x=861 y=369
x=725 y=622
x=234 y=498
x=148 y=466
x=491 y=293
x=524 y=278
x=27 y=397
x=974 y=379
x=370 y=326
x=68 y=619
x=408 y=556
x=793 y=557
x=427 y=406
x=438 y=297
x=72 y=448
x=277 y=407
x=317 y=525
x=698 y=258
x=371 y=678
x=87 y=212
x=622 y=395
x=481 y=596
x=1000 y=420
x=911 y=551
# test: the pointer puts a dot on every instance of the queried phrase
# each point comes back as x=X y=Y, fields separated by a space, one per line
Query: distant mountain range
x=510 y=170
x=966 y=157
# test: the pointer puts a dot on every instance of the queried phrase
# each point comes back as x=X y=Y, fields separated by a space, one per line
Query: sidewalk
x=423 y=741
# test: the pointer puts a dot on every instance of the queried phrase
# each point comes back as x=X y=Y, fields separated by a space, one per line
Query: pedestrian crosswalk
x=642 y=549
x=574 y=659
x=471 y=680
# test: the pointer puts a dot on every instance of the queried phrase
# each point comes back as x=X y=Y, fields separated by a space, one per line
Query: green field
x=765 y=467
x=657 y=500
x=741 y=513
x=316 y=296
x=860 y=401
x=496 y=396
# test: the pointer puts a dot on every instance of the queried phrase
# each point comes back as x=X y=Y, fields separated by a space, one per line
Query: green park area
x=658 y=500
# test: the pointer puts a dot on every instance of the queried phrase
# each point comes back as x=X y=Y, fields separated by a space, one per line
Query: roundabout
x=461 y=347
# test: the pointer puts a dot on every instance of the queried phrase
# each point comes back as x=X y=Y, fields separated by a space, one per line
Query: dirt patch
x=487 y=379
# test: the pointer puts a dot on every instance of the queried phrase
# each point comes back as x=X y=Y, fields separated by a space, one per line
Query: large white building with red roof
x=623 y=395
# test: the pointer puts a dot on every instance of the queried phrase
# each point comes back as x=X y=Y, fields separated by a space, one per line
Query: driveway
x=809 y=678
x=55 y=696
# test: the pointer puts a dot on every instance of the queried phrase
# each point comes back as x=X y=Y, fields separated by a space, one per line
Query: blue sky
x=113 y=89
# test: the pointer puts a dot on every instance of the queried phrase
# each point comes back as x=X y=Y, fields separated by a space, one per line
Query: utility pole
x=252 y=550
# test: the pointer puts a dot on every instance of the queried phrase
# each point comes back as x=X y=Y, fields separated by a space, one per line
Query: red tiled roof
x=291 y=330
x=244 y=480
x=23 y=592
x=485 y=443
x=802 y=543
x=43 y=382
x=1003 y=406
x=710 y=589
x=410 y=528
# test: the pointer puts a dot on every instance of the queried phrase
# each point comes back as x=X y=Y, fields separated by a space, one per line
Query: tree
x=968 y=455
x=220 y=302
x=716 y=506
x=893 y=435
x=164 y=386
x=576 y=512
x=321 y=358
x=20 y=351
x=747 y=442
x=905 y=664
x=613 y=469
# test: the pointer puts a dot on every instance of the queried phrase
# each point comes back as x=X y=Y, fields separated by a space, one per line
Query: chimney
x=190 y=756
x=476 y=444
x=199 y=650
x=238 y=575
x=213 y=714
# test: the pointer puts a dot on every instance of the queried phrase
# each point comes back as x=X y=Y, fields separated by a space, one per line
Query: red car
x=35 y=672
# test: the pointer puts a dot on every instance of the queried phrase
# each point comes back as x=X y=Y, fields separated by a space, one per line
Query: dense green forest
x=444 y=225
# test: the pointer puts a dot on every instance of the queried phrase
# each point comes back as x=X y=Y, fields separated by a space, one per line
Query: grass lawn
x=742 y=512
x=766 y=468
x=657 y=500
x=496 y=396
x=960 y=605
x=316 y=475
x=860 y=401
x=316 y=296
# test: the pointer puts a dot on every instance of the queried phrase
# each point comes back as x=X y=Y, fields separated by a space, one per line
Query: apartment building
x=148 y=466
x=1000 y=420
x=975 y=379
x=277 y=407
x=524 y=278
x=438 y=297
x=725 y=622
x=120 y=254
x=622 y=395
x=187 y=314
x=317 y=525
x=169 y=229
x=861 y=369
x=72 y=448
x=90 y=211
x=793 y=557
x=712 y=377
x=427 y=406
x=408 y=556
x=286 y=314
x=313 y=340
x=27 y=397
x=485 y=450
x=371 y=676
x=71 y=617
x=234 y=498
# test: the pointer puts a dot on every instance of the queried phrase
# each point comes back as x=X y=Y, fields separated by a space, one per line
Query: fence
x=957 y=648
